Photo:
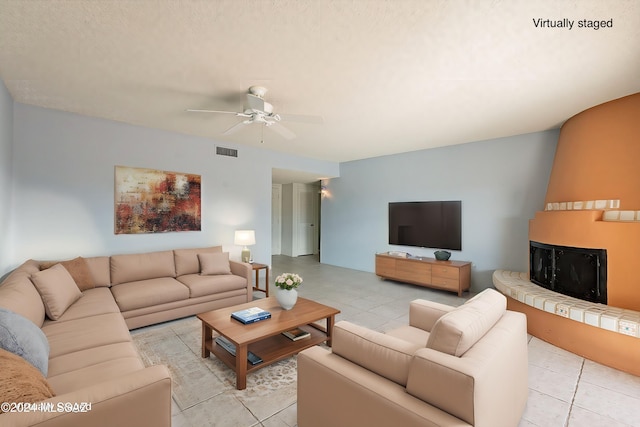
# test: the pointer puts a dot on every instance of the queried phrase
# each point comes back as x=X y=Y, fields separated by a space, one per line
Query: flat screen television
x=432 y=224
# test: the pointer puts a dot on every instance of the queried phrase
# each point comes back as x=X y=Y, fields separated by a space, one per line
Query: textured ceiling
x=385 y=76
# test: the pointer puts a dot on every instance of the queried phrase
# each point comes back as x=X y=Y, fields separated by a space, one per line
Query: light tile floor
x=565 y=390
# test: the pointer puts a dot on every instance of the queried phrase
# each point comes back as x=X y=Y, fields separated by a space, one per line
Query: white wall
x=501 y=184
x=63 y=174
x=287 y=220
x=6 y=138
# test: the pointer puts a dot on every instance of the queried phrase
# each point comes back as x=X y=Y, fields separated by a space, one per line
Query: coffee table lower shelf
x=270 y=349
x=264 y=338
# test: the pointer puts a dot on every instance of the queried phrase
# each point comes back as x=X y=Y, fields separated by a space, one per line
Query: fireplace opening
x=576 y=272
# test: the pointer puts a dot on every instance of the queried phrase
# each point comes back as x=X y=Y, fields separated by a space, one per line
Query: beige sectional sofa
x=81 y=312
x=464 y=366
x=159 y=286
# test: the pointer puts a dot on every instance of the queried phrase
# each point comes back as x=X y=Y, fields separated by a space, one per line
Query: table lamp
x=245 y=238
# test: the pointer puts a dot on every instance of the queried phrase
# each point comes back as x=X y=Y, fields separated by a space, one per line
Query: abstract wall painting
x=153 y=201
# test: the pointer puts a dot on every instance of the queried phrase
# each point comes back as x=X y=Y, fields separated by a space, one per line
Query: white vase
x=286 y=299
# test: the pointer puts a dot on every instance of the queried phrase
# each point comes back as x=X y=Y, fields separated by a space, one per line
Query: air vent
x=222 y=151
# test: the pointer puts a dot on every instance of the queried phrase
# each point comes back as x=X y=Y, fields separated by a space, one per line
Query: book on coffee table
x=251 y=315
x=296 y=334
x=228 y=345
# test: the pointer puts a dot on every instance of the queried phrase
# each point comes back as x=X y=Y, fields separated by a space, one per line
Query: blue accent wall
x=501 y=183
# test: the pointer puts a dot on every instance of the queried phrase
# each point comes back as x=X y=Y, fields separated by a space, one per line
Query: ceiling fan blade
x=236 y=127
x=301 y=118
x=283 y=131
x=211 y=111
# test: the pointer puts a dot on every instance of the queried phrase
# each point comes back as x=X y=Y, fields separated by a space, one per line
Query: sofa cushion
x=100 y=269
x=206 y=285
x=411 y=334
x=22 y=337
x=187 y=259
x=20 y=381
x=77 y=268
x=18 y=294
x=57 y=289
x=89 y=332
x=147 y=293
x=214 y=263
x=69 y=362
x=93 y=302
x=385 y=355
x=424 y=314
x=135 y=267
x=95 y=374
x=457 y=331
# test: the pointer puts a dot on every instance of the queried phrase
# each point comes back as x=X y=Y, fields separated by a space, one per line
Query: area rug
x=195 y=380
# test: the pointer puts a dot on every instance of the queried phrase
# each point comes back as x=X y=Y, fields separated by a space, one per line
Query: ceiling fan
x=257 y=110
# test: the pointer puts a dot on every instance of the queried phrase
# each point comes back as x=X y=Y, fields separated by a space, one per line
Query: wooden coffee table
x=264 y=338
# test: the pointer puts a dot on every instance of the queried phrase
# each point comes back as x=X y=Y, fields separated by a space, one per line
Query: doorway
x=295 y=219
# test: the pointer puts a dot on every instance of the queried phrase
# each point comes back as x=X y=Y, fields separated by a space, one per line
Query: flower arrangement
x=288 y=281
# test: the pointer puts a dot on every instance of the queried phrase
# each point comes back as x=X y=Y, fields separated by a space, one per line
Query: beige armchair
x=464 y=366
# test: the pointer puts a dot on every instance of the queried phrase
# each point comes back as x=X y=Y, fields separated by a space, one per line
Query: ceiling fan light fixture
x=257 y=110
x=258 y=91
x=268 y=108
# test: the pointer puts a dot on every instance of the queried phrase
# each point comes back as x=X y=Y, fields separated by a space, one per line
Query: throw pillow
x=22 y=337
x=20 y=381
x=214 y=263
x=57 y=289
x=79 y=270
x=457 y=331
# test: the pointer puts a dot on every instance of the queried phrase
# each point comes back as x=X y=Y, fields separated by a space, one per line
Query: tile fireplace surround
x=517 y=286
x=604 y=334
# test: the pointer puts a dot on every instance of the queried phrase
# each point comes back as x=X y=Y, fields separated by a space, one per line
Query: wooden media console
x=452 y=276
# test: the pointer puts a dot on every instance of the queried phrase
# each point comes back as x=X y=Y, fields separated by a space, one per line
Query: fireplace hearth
x=576 y=272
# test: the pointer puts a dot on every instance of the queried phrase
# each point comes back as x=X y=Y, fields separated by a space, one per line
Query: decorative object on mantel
x=286 y=292
x=442 y=255
x=153 y=201
x=245 y=238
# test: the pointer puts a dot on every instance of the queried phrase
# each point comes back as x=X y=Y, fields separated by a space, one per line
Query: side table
x=257 y=267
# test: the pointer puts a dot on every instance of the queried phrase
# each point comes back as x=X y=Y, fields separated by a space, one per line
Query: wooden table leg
x=241 y=367
x=257 y=286
x=207 y=335
x=266 y=285
x=330 y=321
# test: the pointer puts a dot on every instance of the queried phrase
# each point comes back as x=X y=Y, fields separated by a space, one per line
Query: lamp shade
x=245 y=237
